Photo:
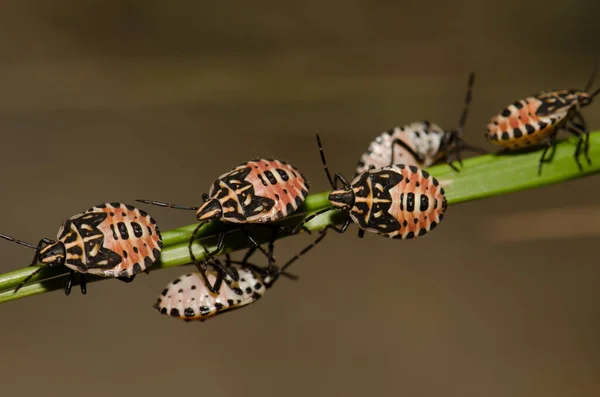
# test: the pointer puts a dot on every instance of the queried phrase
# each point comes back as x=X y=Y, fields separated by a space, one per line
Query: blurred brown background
x=114 y=100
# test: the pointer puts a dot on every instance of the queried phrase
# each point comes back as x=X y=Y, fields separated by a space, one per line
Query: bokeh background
x=113 y=100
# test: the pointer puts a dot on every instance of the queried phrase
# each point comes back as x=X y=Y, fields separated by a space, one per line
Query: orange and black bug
x=538 y=118
x=421 y=143
x=258 y=191
x=108 y=240
x=397 y=201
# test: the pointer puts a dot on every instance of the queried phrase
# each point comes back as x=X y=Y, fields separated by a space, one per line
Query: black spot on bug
x=112 y=213
x=410 y=235
x=136 y=268
x=276 y=196
x=417 y=184
x=271 y=177
x=156 y=253
x=432 y=225
x=262 y=180
x=256 y=296
x=125 y=254
x=417 y=134
x=529 y=128
x=136 y=249
x=298 y=201
x=401 y=201
x=129 y=207
x=435 y=203
x=101 y=206
x=506 y=112
x=164 y=293
x=137 y=229
x=435 y=182
x=230 y=302
x=204 y=309
x=505 y=136
x=193 y=287
x=410 y=201
x=416 y=220
x=248 y=290
x=518 y=104
x=123 y=214
x=180 y=290
x=283 y=174
x=123 y=230
x=189 y=312
x=304 y=193
x=413 y=169
x=424 y=203
x=257 y=286
x=219 y=306
x=177 y=281
x=237 y=291
x=174 y=312
x=422 y=232
x=542 y=125
x=159 y=243
x=405 y=223
x=289 y=208
x=114 y=232
x=148 y=262
x=517 y=133
x=163 y=310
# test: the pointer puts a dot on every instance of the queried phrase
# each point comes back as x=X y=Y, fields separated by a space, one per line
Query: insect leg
x=340 y=178
x=398 y=142
x=585 y=131
x=82 y=284
x=551 y=144
x=69 y=283
x=256 y=245
x=361 y=233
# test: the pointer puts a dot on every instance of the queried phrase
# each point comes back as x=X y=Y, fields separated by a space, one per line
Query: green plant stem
x=481 y=177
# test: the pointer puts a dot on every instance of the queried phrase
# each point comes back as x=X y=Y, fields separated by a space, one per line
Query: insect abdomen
x=188 y=298
x=419 y=202
x=519 y=125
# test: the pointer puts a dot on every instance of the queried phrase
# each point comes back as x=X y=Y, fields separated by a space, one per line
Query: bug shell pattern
x=111 y=240
x=188 y=298
x=260 y=191
x=532 y=120
x=397 y=201
x=421 y=144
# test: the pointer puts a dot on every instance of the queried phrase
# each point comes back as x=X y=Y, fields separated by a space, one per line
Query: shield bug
x=189 y=297
x=258 y=191
x=420 y=143
x=397 y=201
x=537 y=119
x=108 y=240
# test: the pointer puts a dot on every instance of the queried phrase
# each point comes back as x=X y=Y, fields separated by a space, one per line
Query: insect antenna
x=167 y=205
x=590 y=82
x=595 y=93
x=310 y=218
x=27 y=279
x=468 y=97
x=324 y=161
x=14 y=240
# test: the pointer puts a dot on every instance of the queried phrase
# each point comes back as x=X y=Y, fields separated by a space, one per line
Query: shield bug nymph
x=108 y=240
x=258 y=191
x=537 y=119
x=397 y=201
x=420 y=143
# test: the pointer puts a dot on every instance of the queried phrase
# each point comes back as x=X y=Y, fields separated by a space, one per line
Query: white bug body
x=188 y=297
x=418 y=144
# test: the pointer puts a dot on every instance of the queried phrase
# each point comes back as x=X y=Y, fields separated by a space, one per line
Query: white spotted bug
x=108 y=240
x=397 y=201
x=420 y=143
x=189 y=297
x=537 y=119
x=258 y=191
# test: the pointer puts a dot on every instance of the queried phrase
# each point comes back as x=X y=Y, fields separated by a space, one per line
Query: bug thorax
x=53 y=254
x=211 y=209
x=342 y=198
